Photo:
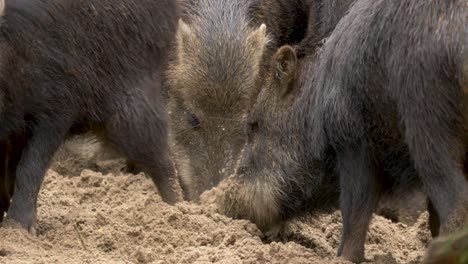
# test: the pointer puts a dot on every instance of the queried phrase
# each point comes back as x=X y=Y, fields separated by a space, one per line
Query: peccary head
x=278 y=176
x=216 y=67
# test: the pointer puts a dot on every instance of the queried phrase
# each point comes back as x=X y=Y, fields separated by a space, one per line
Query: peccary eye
x=193 y=121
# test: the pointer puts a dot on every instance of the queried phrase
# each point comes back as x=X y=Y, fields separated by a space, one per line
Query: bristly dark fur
x=93 y=64
x=301 y=23
x=382 y=107
x=393 y=106
x=323 y=17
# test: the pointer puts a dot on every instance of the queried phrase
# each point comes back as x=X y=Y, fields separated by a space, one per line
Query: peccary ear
x=2 y=7
x=258 y=38
x=257 y=41
x=184 y=36
x=284 y=67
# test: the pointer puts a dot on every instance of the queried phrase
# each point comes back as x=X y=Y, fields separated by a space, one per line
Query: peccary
x=72 y=66
x=216 y=65
x=381 y=110
x=221 y=57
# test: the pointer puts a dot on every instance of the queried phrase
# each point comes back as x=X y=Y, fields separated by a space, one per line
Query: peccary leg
x=358 y=200
x=16 y=145
x=434 y=221
x=434 y=136
x=446 y=188
x=40 y=148
x=11 y=150
x=139 y=132
x=4 y=192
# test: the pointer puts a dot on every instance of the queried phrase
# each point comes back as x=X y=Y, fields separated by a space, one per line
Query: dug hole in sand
x=90 y=212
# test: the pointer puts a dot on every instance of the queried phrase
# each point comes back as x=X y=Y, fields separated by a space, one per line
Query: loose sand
x=90 y=212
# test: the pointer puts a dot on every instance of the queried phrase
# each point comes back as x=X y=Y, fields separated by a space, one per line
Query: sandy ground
x=90 y=212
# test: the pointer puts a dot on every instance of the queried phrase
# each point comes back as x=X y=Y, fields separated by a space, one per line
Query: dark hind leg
x=39 y=149
x=11 y=150
x=448 y=195
x=15 y=145
x=434 y=221
x=139 y=131
x=358 y=200
x=4 y=189
x=435 y=141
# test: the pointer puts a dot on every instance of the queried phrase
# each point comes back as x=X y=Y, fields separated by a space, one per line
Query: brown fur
x=217 y=63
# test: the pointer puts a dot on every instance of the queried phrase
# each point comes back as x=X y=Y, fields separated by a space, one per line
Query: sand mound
x=104 y=216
